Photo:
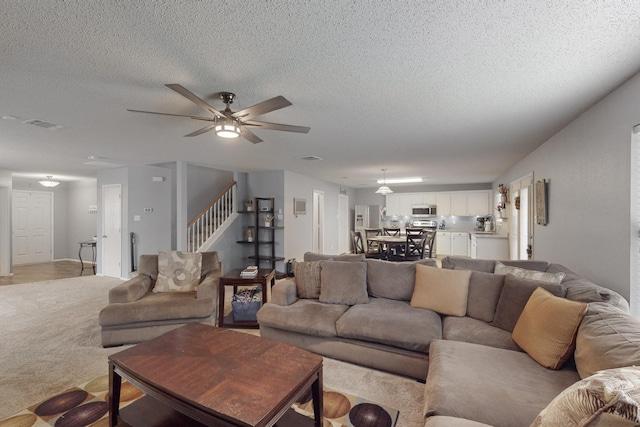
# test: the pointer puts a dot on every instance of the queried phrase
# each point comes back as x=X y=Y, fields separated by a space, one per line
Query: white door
x=634 y=273
x=318 y=221
x=521 y=218
x=5 y=231
x=111 y=247
x=343 y=224
x=31 y=218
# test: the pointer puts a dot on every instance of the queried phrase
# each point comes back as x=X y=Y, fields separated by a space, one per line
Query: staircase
x=211 y=222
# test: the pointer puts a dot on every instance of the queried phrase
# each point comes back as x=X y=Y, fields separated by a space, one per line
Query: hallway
x=45 y=271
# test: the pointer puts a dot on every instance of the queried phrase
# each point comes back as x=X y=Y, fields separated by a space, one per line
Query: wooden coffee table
x=203 y=375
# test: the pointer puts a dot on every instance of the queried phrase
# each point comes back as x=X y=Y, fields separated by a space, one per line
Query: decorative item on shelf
x=500 y=208
x=250 y=271
x=248 y=204
x=249 y=235
x=268 y=219
x=503 y=190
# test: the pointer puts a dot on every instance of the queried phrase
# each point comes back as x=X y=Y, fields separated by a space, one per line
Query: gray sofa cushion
x=312 y=256
x=391 y=322
x=307 y=276
x=393 y=280
x=514 y=297
x=607 y=338
x=488 y=265
x=305 y=316
x=490 y=385
x=343 y=282
x=484 y=294
x=471 y=330
x=155 y=307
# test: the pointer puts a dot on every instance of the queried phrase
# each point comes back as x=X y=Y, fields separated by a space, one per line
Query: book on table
x=251 y=271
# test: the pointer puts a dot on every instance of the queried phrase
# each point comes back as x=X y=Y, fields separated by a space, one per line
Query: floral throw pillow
x=178 y=271
x=607 y=398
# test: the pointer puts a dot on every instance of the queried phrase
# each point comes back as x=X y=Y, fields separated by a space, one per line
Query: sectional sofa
x=498 y=343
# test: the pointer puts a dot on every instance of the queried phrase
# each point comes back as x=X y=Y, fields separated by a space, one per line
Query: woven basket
x=245 y=311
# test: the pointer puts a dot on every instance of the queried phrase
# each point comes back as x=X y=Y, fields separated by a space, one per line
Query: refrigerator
x=367 y=216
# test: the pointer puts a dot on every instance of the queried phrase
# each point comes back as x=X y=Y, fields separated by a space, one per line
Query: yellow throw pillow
x=547 y=328
x=441 y=290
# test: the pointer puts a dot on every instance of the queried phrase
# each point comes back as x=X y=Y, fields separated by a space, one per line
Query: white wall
x=204 y=184
x=298 y=231
x=588 y=165
x=81 y=225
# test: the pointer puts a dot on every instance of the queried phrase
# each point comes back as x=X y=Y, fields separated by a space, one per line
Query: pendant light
x=384 y=190
x=49 y=182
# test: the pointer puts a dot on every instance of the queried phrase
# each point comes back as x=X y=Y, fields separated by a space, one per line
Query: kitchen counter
x=485 y=235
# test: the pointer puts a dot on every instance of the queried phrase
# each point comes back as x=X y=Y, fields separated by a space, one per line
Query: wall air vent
x=42 y=124
x=311 y=158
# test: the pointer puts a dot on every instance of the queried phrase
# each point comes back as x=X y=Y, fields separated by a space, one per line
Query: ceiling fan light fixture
x=49 y=182
x=227 y=129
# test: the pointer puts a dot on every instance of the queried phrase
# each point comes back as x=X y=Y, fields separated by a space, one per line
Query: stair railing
x=205 y=223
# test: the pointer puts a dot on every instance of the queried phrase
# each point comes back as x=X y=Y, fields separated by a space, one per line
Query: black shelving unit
x=264 y=236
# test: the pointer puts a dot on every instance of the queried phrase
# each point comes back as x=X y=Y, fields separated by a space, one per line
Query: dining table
x=388 y=244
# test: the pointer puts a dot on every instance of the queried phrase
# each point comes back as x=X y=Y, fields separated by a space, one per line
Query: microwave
x=423 y=210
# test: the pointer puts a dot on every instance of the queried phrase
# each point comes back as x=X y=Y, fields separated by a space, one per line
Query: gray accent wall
x=588 y=167
x=204 y=184
x=81 y=225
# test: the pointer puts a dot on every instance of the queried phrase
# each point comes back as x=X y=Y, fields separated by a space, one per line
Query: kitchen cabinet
x=392 y=204
x=459 y=204
x=443 y=203
x=479 y=203
x=452 y=243
x=492 y=247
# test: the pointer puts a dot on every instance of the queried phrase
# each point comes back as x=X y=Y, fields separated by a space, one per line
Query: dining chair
x=429 y=241
x=373 y=247
x=356 y=241
x=388 y=231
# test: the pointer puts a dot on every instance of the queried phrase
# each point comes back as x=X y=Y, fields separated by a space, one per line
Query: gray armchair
x=135 y=313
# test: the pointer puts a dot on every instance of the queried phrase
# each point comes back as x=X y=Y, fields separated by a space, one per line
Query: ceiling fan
x=230 y=124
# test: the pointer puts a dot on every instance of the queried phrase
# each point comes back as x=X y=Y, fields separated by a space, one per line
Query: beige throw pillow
x=605 y=399
x=441 y=290
x=307 y=276
x=547 y=328
x=522 y=273
x=178 y=271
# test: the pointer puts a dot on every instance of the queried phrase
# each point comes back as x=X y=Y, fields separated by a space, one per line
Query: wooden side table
x=266 y=278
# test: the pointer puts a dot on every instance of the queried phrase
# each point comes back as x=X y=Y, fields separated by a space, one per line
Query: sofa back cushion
x=393 y=280
x=312 y=256
x=488 y=265
x=307 y=276
x=441 y=290
x=514 y=297
x=524 y=273
x=343 y=282
x=607 y=338
x=148 y=266
x=484 y=294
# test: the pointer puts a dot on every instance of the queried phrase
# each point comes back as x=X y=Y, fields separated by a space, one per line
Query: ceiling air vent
x=42 y=124
x=311 y=158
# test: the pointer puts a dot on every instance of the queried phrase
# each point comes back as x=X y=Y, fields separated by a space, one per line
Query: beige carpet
x=50 y=342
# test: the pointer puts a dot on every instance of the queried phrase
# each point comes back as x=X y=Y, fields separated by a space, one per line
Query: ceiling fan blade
x=277 y=126
x=262 y=107
x=248 y=135
x=193 y=98
x=203 y=130
x=169 y=114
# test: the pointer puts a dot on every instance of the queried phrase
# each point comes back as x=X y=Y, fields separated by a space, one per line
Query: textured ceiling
x=454 y=91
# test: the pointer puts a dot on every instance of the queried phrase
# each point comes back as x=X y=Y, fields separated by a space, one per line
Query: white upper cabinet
x=443 y=203
x=460 y=203
x=479 y=203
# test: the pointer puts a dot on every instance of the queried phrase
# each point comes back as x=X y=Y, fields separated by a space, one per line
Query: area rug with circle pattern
x=86 y=405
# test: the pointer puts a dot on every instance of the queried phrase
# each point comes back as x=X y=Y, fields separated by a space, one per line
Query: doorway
x=111 y=241
x=521 y=217
x=5 y=231
x=318 y=221
x=343 y=224
x=31 y=213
